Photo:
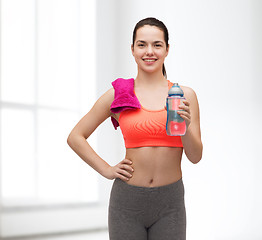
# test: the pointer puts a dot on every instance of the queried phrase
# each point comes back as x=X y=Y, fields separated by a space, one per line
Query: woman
x=147 y=197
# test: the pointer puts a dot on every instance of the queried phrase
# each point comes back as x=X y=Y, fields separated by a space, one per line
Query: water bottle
x=175 y=125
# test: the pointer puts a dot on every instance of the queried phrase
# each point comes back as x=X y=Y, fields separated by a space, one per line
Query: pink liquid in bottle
x=177 y=128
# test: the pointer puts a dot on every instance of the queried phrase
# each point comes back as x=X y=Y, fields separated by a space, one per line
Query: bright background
x=72 y=49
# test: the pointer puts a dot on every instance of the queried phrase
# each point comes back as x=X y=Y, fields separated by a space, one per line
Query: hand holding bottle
x=185 y=112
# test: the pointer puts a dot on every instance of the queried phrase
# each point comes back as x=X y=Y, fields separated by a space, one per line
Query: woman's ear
x=132 y=49
x=167 y=50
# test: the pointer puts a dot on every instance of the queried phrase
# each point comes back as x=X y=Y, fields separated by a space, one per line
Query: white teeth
x=150 y=60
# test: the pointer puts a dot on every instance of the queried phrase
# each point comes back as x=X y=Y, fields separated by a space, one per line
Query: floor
x=100 y=235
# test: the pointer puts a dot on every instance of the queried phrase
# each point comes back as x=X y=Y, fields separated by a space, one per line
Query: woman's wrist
x=106 y=172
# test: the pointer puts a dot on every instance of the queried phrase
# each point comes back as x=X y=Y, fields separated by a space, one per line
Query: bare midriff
x=155 y=166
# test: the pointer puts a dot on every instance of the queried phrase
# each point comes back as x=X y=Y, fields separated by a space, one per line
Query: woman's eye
x=141 y=45
x=158 y=45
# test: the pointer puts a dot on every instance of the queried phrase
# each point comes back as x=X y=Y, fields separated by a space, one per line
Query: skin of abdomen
x=155 y=166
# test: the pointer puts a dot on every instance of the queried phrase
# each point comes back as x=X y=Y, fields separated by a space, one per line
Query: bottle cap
x=175 y=90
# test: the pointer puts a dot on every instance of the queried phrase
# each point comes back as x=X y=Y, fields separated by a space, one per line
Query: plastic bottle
x=175 y=125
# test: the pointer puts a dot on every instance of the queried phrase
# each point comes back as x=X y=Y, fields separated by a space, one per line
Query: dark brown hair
x=153 y=22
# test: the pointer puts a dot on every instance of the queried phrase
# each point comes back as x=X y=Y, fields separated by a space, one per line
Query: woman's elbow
x=70 y=139
x=75 y=138
x=197 y=156
x=195 y=160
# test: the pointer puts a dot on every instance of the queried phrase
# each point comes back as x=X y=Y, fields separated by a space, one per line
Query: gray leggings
x=147 y=213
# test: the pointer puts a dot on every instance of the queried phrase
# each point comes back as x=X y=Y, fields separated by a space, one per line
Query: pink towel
x=125 y=97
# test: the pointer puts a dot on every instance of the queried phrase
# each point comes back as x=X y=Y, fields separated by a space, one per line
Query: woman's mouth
x=149 y=60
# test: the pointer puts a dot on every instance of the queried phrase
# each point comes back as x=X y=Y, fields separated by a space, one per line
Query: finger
x=124 y=173
x=183 y=112
x=187 y=103
x=126 y=161
x=187 y=120
x=184 y=115
x=185 y=108
x=118 y=175
x=126 y=167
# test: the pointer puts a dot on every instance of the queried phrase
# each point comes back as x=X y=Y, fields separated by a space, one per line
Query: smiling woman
x=147 y=197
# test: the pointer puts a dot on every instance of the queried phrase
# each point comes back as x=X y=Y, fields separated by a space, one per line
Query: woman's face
x=149 y=49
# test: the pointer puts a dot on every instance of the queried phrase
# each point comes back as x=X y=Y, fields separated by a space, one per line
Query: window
x=47 y=59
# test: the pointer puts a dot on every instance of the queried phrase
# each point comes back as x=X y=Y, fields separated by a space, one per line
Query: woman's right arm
x=85 y=127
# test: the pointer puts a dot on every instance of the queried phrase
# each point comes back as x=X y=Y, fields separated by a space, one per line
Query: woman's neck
x=152 y=79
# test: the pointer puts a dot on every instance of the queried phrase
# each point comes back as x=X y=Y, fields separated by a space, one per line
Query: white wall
x=216 y=50
x=109 y=147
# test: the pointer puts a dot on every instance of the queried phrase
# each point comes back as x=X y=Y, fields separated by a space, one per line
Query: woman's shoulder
x=190 y=95
x=184 y=88
x=105 y=100
x=110 y=92
x=108 y=96
x=189 y=92
x=187 y=89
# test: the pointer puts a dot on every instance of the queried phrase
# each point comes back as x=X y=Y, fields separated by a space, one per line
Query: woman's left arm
x=192 y=139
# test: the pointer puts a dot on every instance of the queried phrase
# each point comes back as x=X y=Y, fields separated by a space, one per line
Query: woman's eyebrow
x=141 y=41
x=158 y=42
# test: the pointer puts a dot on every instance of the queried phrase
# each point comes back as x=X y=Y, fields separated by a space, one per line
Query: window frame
x=90 y=215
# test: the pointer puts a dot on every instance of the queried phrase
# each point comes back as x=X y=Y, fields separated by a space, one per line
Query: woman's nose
x=149 y=50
